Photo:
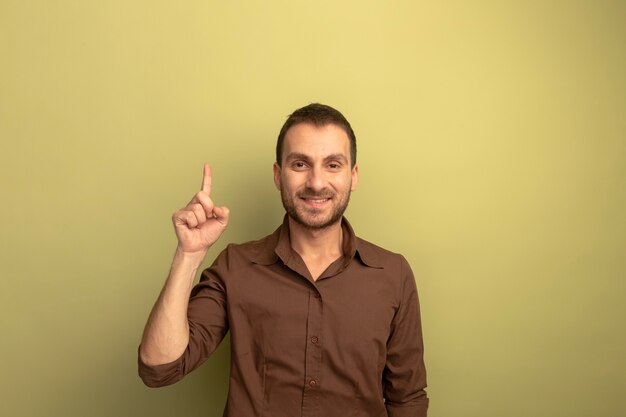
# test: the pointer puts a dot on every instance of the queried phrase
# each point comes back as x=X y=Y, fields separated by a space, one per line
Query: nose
x=315 y=180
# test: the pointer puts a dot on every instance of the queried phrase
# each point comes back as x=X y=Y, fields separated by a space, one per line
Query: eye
x=334 y=165
x=299 y=165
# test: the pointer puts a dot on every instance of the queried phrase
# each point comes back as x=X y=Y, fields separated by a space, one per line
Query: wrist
x=189 y=259
x=180 y=249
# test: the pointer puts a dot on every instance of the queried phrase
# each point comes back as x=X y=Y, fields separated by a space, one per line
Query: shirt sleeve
x=208 y=324
x=404 y=377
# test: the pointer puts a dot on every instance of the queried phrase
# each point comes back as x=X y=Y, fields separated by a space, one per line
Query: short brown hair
x=318 y=115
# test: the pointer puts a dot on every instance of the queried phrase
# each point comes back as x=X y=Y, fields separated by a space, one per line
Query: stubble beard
x=312 y=219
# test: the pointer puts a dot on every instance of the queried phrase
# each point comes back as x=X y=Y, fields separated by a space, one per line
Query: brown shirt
x=348 y=344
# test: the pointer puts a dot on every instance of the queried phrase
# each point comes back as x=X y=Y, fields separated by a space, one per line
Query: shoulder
x=391 y=268
x=379 y=257
x=237 y=259
x=259 y=251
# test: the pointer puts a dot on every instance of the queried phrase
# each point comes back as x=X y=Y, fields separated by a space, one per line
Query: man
x=322 y=322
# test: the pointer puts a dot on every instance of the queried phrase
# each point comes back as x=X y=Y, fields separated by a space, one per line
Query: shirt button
x=316 y=295
x=315 y=339
x=312 y=383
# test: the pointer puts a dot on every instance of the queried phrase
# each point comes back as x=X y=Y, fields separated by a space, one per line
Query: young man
x=322 y=322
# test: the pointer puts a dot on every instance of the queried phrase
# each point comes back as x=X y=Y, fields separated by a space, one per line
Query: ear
x=277 y=170
x=355 y=177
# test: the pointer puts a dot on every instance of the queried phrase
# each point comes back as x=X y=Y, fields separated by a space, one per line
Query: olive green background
x=492 y=152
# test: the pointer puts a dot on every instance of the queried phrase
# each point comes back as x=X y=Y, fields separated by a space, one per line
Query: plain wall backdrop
x=492 y=153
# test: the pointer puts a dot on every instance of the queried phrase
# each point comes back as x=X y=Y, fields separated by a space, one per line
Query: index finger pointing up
x=206 y=179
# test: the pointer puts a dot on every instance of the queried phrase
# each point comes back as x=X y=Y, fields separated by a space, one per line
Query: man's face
x=316 y=178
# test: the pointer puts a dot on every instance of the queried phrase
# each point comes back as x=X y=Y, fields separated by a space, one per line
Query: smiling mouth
x=315 y=201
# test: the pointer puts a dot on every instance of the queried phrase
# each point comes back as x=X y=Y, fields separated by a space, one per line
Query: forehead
x=316 y=141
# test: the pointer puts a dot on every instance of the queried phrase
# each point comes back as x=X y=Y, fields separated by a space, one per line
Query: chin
x=315 y=222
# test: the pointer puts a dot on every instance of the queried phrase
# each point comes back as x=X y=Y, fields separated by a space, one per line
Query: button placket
x=313 y=355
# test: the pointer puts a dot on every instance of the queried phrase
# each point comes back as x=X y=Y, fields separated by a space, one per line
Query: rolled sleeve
x=160 y=375
x=404 y=377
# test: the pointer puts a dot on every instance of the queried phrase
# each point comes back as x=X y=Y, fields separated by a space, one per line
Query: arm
x=404 y=378
x=198 y=226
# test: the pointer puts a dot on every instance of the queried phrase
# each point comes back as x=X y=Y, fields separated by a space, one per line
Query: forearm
x=166 y=334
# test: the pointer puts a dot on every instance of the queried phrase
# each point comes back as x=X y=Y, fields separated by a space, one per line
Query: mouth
x=315 y=201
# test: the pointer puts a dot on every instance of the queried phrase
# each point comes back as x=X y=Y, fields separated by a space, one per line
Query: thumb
x=221 y=214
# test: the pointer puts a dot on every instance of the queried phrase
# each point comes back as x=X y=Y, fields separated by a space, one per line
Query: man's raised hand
x=199 y=224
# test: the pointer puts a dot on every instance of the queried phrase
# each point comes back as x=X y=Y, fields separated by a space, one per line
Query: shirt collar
x=278 y=246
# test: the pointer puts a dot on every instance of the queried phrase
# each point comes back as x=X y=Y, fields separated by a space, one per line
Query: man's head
x=318 y=115
x=316 y=168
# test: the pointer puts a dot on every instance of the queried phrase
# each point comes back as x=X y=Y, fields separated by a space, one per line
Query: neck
x=316 y=243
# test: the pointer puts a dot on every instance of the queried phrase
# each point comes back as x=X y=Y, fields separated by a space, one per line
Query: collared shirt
x=347 y=344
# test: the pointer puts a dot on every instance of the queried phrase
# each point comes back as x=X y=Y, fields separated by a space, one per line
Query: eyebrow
x=335 y=156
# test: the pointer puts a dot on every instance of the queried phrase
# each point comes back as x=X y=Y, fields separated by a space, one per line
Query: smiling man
x=322 y=322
